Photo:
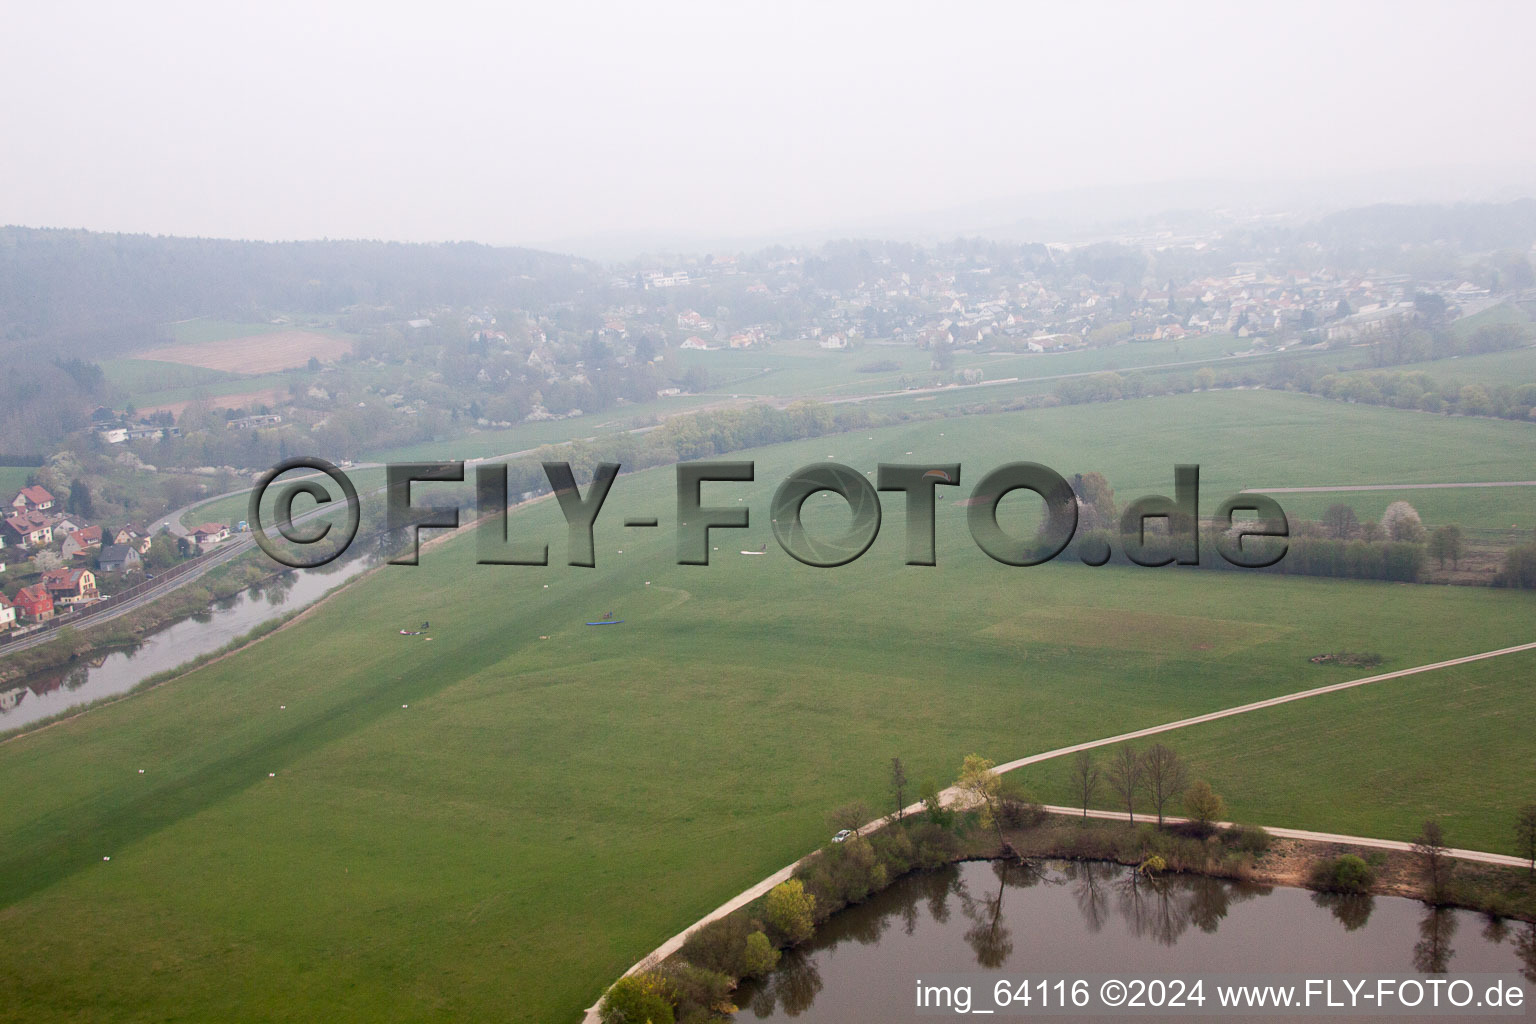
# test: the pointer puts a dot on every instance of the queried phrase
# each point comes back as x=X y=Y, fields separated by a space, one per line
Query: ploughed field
x=342 y=822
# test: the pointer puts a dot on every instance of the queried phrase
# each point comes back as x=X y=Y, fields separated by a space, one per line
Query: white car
x=844 y=835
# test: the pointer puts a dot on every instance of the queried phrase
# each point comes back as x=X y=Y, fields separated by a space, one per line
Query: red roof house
x=33 y=603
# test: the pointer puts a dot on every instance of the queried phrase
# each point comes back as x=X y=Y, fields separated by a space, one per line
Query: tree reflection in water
x=1432 y=953
x=794 y=985
x=1090 y=887
x=1525 y=949
x=1159 y=909
x=1352 y=909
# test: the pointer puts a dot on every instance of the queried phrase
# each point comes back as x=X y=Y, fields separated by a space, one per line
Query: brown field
x=244 y=400
x=257 y=353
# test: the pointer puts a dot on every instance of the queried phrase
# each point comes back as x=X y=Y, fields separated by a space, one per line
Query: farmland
x=267 y=352
x=575 y=795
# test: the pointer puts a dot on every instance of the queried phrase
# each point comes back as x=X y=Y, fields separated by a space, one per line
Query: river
x=104 y=675
x=1060 y=919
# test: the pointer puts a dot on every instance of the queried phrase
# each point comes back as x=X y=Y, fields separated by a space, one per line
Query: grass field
x=1372 y=761
x=546 y=810
x=12 y=479
x=803 y=369
x=1516 y=366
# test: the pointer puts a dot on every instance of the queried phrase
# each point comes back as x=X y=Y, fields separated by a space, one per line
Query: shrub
x=697 y=992
x=791 y=911
x=720 y=945
x=933 y=845
x=760 y=956
x=1347 y=873
x=636 y=999
x=937 y=813
x=1249 y=839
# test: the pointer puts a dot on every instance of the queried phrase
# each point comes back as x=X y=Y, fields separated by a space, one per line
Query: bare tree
x=1340 y=522
x=1167 y=777
x=1434 y=861
x=1126 y=772
x=898 y=785
x=1085 y=778
x=1525 y=834
x=849 y=816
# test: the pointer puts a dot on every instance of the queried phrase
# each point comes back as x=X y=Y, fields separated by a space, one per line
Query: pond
x=104 y=675
x=1071 y=919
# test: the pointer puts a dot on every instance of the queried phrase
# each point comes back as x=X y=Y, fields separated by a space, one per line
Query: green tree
x=1445 y=543
x=161 y=553
x=1205 y=379
x=80 y=502
x=791 y=911
x=933 y=805
x=983 y=787
x=760 y=956
x=1204 y=805
x=637 y=999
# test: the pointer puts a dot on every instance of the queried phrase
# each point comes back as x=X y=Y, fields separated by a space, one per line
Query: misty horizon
x=609 y=132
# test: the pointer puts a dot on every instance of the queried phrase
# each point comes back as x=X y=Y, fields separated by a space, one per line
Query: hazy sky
x=515 y=123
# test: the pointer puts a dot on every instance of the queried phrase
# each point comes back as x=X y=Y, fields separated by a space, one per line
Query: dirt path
x=953 y=795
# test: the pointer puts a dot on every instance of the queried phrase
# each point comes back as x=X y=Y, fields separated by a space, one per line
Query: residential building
x=70 y=586
x=81 y=541
x=118 y=558
x=33 y=604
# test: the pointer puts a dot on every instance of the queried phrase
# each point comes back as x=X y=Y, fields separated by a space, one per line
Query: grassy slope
x=547 y=810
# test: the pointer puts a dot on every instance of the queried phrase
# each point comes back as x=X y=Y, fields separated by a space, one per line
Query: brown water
x=1065 y=919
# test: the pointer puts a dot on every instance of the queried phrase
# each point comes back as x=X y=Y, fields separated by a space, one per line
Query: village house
x=118 y=558
x=7 y=613
x=81 y=541
x=65 y=525
x=27 y=530
x=31 y=499
x=33 y=603
x=70 y=586
x=137 y=539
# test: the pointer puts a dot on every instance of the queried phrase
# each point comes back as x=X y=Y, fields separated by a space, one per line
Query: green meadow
x=344 y=823
x=1376 y=760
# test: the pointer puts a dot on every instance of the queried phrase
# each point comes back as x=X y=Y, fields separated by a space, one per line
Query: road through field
x=953 y=794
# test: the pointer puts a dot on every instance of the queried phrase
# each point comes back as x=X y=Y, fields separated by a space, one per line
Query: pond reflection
x=1063 y=918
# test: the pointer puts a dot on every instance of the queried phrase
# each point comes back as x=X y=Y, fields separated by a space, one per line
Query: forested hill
x=1471 y=227
x=96 y=294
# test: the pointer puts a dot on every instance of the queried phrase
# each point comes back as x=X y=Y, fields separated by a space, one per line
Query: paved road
x=953 y=795
x=1383 y=487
